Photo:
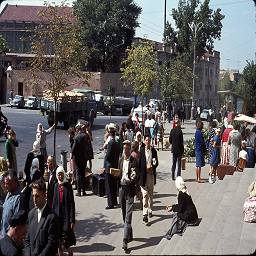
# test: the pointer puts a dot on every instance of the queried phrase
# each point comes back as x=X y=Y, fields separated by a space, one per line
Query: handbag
x=115 y=172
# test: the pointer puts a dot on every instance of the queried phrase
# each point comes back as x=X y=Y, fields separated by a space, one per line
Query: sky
x=238 y=40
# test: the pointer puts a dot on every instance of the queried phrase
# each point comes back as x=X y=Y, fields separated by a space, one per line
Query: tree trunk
x=55 y=127
x=142 y=117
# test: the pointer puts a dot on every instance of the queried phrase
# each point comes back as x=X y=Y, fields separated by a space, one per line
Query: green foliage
x=108 y=28
x=190 y=148
x=175 y=80
x=182 y=40
x=3 y=45
x=57 y=48
x=141 y=68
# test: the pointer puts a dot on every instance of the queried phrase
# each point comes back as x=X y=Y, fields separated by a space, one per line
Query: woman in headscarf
x=34 y=173
x=138 y=138
x=63 y=205
x=249 y=209
x=234 y=140
x=184 y=212
x=41 y=134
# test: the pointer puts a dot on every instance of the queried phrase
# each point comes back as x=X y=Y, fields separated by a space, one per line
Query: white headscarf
x=252 y=189
x=34 y=167
x=38 y=127
x=36 y=147
x=61 y=170
x=180 y=185
x=137 y=134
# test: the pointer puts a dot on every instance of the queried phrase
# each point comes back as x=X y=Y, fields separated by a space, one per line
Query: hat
x=126 y=142
x=19 y=218
x=111 y=126
x=244 y=142
x=252 y=189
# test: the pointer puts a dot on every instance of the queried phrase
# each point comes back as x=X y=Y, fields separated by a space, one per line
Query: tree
x=3 y=45
x=108 y=28
x=141 y=69
x=175 y=80
x=58 y=50
x=182 y=38
x=246 y=86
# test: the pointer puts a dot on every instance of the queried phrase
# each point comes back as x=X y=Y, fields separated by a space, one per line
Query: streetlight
x=9 y=72
x=194 y=28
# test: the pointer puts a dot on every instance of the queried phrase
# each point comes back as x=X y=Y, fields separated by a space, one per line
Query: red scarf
x=61 y=190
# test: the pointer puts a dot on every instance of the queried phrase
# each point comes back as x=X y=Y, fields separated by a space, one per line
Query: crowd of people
x=39 y=209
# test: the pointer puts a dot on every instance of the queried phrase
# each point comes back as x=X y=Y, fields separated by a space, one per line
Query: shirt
x=148 y=154
x=125 y=170
x=40 y=212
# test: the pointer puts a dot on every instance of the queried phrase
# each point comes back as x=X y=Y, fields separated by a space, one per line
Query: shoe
x=150 y=215
x=78 y=194
x=109 y=207
x=210 y=180
x=84 y=193
x=124 y=247
x=145 y=219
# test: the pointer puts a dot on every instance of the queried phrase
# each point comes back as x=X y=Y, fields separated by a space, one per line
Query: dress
x=235 y=139
x=210 y=138
x=225 y=151
x=215 y=154
x=199 y=148
x=10 y=151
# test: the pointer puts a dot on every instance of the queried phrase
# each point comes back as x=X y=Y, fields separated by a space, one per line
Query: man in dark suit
x=51 y=178
x=147 y=165
x=111 y=161
x=177 y=142
x=80 y=156
x=128 y=176
x=43 y=232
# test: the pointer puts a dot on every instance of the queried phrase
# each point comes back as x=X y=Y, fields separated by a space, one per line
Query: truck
x=118 y=105
x=70 y=106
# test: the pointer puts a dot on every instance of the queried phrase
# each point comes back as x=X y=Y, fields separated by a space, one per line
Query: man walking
x=177 y=142
x=128 y=176
x=111 y=161
x=80 y=156
x=43 y=232
x=147 y=165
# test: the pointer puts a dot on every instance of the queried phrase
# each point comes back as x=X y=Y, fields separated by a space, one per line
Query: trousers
x=111 y=189
x=174 y=163
x=147 y=194
x=80 y=178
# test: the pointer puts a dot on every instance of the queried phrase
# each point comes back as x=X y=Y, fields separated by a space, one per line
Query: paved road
x=24 y=122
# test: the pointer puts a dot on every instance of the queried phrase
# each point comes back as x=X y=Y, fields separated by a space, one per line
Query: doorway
x=20 y=88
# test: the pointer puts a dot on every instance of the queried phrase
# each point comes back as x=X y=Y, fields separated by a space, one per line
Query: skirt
x=200 y=162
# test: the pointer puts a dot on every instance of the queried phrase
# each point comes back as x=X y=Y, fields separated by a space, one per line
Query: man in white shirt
x=128 y=175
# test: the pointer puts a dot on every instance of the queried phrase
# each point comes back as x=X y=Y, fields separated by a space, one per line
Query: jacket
x=112 y=155
x=176 y=140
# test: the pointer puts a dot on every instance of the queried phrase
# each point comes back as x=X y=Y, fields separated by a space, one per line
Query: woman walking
x=235 y=139
x=215 y=156
x=200 y=150
x=63 y=205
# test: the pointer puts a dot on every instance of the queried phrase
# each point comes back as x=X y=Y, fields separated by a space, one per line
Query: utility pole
x=194 y=28
x=255 y=22
x=165 y=24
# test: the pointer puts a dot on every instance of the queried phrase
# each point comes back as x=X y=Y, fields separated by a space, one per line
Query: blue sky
x=238 y=41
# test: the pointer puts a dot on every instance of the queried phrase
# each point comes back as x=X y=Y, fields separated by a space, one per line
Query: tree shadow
x=146 y=242
x=164 y=195
x=95 y=247
x=163 y=176
x=98 y=225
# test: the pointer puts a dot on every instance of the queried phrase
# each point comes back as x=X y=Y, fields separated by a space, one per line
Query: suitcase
x=224 y=169
x=98 y=184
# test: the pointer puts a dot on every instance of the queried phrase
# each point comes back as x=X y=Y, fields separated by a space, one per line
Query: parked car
x=204 y=114
x=18 y=101
x=139 y=111
x=32 y=102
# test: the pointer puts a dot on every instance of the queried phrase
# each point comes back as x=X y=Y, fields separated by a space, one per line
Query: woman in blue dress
x=200 y=149
x=215 y=156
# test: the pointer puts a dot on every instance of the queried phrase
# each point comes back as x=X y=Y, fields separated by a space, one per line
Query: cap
x=127 y=142
x=111 y=126
x=19 y=218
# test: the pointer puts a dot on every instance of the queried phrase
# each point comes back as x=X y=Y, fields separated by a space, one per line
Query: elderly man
x=111 y=161
x=43 y=232
x=12 y=203
x=80 y=155
x=128 y=175
x=12 y=243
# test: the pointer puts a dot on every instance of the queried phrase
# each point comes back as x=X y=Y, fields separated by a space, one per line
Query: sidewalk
x=100 y=231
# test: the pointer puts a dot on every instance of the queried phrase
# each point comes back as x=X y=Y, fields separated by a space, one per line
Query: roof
x=26 y=13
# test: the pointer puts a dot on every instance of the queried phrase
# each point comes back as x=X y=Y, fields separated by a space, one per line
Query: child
x=215 y=156
x=243 y=157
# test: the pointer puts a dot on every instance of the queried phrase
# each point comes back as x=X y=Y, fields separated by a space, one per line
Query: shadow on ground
x=146 y=242
x=95 y=247
x=98 y=225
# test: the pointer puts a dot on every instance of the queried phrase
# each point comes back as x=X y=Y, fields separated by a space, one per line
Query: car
x=139 y=111
x=18 y=101
x=32 y=102
x=204 y=114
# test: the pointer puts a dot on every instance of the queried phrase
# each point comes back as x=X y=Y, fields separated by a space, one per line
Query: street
x=24 y=122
